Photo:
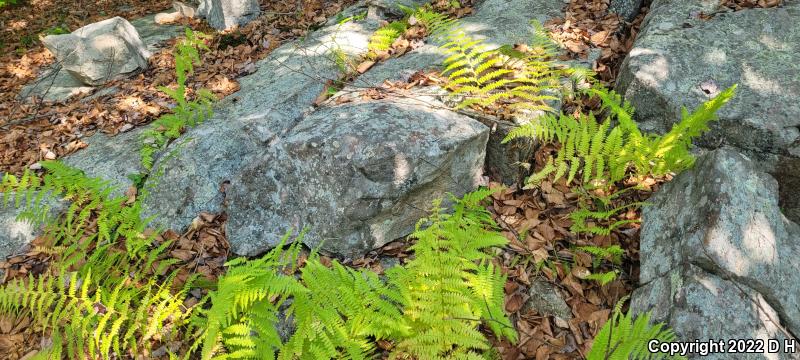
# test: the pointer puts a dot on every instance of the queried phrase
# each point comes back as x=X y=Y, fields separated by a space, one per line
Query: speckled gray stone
x=56 y=84
x=269 y=103
x=357 y=175
x=699 y=305
x=626 y=9
x=545 y=300
x=499 y=23
x=709 y=230
x=100 y=52
x=113 y=158
x=15 y=233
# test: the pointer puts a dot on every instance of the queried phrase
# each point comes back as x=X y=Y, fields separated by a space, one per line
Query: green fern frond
x=437 y=25
x=55 y=303
x=383 y=38
x=186 y=113
x=623 y=337
x=603 y=278
x=608 y=154
x=430 y=308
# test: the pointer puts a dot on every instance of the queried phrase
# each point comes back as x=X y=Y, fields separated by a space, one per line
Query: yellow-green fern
x=604 y=153
x=624 y=338
x=107 y=294
x=185 y=113
x=430 y=308
x=484 y=76
x=383 y=38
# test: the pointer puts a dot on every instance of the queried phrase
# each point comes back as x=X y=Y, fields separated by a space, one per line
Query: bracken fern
x=485 y=76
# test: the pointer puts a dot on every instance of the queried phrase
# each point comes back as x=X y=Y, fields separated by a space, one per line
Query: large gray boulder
x=100 y=52
x=682 y=59
x=358 y=175
x=268 y=104
x=226 y=14
x=716 y=250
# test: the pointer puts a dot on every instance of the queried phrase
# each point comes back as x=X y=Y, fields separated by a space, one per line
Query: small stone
x=161 y=351
x=49 y=155
x=100 y=52
x=167 y=18
x=126 y=127
x=35 y=166
x=224 y=15
x=545 y=300
x=561 y=322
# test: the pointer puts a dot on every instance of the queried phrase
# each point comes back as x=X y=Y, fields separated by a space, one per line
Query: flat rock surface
x=17 y=233
x=113 y=158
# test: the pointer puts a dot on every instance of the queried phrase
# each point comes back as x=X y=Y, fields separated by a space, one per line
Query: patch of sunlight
x=709 y=284
x=402 y=169
x=131 y=103
x=716 y=57
x=773 y=43
x=16 y=229
x=224 y=85
x=21 y=70
x=729 y=256
x=378 y=231
x=104 y=42
x=765 y=315
x=759 y=240
x=759 y=83
x=17 y=25
x=655 y=71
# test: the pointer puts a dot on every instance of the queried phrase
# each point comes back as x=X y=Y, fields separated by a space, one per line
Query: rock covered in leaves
x=100 y=52
x=226 y=14
x=690 y=50
x=358 y=175
x=716 y=250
